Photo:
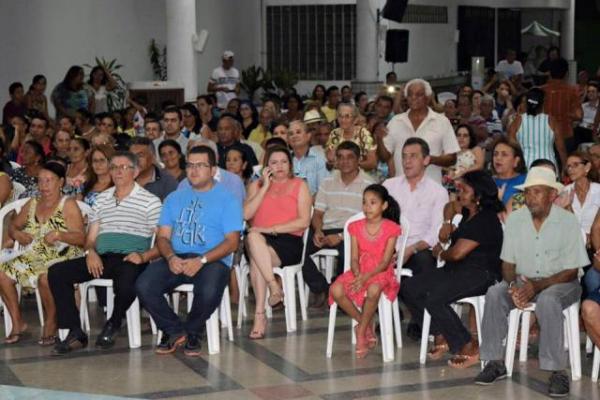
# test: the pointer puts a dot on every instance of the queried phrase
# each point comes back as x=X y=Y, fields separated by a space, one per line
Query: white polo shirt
x=435 y=129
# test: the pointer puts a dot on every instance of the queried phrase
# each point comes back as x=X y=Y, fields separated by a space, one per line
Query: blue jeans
x=158 y=280
x=591 y=280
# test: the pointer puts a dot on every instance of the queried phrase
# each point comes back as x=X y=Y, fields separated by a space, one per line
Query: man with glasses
x=199 y=229
x=118 y=247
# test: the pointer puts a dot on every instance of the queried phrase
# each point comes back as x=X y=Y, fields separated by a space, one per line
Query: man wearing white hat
x=225 y=81
x=542 y=256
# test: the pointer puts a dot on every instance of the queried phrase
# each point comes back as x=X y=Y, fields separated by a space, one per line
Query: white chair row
x=389 y=314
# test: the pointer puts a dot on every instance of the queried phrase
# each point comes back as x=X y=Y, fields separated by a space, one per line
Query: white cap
x=227 y=54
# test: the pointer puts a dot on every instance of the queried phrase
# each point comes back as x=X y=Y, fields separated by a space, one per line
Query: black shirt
x=250 y=156
x=484 y=228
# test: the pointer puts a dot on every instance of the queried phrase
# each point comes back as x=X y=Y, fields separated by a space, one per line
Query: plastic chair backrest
x=18 y=190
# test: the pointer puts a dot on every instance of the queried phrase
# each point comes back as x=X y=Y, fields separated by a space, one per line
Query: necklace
x=375 y=234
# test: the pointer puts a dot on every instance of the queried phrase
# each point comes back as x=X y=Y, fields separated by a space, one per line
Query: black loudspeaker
x=394 y=10
x=396 y=45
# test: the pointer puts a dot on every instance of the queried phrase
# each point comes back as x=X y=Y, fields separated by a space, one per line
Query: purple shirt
x=422 y=207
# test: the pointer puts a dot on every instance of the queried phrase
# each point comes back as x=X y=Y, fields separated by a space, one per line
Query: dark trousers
x=64 y=275
x=437 y=290
x=158 y=280
x=582 y=135
x=312 y=276
x=419 y=263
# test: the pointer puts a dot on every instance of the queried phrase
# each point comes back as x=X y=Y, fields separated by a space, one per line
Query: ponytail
x=392 y=212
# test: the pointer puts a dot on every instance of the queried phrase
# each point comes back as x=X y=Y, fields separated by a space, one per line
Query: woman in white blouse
x=584 y=192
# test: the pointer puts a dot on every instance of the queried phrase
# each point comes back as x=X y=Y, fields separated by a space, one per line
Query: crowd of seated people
x=169 y=191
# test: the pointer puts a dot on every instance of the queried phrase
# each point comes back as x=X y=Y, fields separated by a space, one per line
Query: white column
x=181 y=58
x=366 y=42
x=567 y=48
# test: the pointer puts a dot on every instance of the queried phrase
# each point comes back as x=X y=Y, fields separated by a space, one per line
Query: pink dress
x=371 y=251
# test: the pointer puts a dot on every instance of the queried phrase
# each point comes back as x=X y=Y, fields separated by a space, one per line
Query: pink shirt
x=423 y=207
x=279 y=206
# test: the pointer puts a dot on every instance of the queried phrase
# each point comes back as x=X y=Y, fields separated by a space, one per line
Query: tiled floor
x=282 y=366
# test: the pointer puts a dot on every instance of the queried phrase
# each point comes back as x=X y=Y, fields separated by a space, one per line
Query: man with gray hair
x=117 y=247
x=420 y=121
x=309 y=164
x=542 y=256
x=488 y=111
x=228 y=132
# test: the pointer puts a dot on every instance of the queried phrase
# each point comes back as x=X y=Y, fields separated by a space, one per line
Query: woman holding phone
x=278 y=209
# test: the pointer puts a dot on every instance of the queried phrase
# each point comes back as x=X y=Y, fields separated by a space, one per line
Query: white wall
x=47 y=37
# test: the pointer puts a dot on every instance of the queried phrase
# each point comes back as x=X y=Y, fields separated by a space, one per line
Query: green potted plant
x=252 y=80
x=158 y=60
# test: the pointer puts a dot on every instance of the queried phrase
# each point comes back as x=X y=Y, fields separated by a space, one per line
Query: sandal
x=276 y=296
x=47 y=340
x=463 y=361
x=256 y=334
x=15 y=337
x=362 y=345
x=371 y=336
x=438 y=351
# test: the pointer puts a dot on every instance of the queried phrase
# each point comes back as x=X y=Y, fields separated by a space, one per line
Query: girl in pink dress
x=371 y=268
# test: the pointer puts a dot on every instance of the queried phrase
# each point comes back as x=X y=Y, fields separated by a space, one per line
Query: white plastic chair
x=596 y=364
x=242 y=270
x=289 y=274
x=478 y=303
x=17 y=191
x=212 y=324
x=571 y=328
x=389 y=314
x=324 y=259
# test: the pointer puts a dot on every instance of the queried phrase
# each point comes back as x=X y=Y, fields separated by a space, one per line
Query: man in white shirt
x=422 y=122
x=510 y=68
x=422 y=202
x=225 y=81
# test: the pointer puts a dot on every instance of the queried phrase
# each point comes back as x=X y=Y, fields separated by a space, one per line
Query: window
x=315 y=41
x=417 y=14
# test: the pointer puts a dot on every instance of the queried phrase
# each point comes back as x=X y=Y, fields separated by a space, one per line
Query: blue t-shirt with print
x=200 y=220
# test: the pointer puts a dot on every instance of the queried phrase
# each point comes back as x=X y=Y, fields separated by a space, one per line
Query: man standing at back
x=422 y=122
x=225 y=81
x=562 y=102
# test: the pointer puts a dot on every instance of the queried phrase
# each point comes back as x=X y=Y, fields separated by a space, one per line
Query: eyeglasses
x=198 y=165
x=122 y=168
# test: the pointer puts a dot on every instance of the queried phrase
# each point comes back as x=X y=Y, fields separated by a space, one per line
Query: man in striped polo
x=339 y=197
x=117 y=247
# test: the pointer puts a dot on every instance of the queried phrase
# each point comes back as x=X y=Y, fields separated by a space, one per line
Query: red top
x=280 y=205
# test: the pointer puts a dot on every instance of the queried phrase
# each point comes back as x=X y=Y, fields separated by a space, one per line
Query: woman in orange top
x=278 y=208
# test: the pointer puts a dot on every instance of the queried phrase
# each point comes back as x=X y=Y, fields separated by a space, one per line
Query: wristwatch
x=204 y=260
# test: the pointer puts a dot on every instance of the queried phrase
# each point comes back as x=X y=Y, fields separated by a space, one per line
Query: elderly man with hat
x=542 y=256
x=225 y=81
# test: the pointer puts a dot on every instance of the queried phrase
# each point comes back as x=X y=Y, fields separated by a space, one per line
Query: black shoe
x=493 y=371
x=319 y=300
x=413 y=331
x=106 y=338
x=168 y=344
x=75 y=340
x=192 y=346
x=558 y=386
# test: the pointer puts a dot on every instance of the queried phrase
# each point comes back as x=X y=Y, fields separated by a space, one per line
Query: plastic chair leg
x=331 y=330
x=424 y=337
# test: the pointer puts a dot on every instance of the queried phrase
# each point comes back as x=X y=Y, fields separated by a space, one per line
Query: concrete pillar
x=567 y=47
x=181 y=58
x=367 y=45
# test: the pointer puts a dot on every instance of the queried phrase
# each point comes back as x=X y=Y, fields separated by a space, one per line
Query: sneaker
x=192 y=346
x=75 y=340
x=493 y=371
x=168 y=344
x=106 y=338
x=558 y=386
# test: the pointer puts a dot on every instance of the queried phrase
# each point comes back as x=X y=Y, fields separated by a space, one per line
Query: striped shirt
x=128 y=226
x=338 y=201
x=536 y=138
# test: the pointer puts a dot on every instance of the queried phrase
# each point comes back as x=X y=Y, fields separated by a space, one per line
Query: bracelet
x=170 y=256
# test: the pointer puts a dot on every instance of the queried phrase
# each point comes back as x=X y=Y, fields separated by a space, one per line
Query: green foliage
x=116 y=98
x=158 y=60
x=272 y=82
x=252 y=80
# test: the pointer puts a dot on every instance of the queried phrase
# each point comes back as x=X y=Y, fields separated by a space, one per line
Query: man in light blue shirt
x=309 y=164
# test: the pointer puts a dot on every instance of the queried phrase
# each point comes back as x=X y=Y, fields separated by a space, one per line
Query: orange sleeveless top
x=279 y=206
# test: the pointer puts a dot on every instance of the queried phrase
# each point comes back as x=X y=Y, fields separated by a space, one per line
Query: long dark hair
x=392 y=212
x=485 y=190
x=71 y=75
x=174 y=144
x=93 y=71
x=196 y=114
x=248 y=170
x=108 y=151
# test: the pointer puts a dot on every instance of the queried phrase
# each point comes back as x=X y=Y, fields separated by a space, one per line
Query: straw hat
x=540 y=176
x=312 y=116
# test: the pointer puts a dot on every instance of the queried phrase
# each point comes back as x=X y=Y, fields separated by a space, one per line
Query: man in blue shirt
x=199 y=229
x=309 y=164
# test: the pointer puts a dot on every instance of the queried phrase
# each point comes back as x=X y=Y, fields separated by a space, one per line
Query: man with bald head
x=228 y=133
x=420 y=121
x=542 y=256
